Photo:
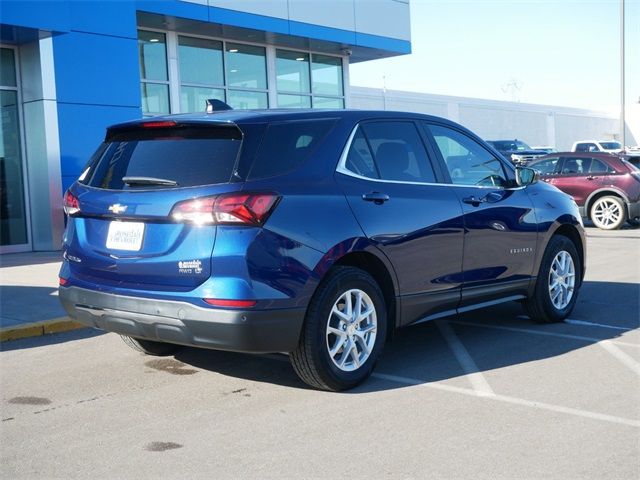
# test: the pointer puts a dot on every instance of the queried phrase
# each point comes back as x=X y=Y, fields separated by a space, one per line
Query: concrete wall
x=535 y=124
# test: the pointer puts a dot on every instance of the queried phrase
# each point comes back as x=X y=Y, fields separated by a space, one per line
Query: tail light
x=228 y=209
x=216 y=302
x=62 y=281
x=71 y=203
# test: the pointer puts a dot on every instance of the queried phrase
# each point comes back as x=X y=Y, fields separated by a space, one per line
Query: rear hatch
x=133 y=213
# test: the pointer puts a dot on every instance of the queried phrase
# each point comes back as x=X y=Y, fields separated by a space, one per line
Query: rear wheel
x=344 y=331
x=608 y=213
x=558 y=282
x=149 y=347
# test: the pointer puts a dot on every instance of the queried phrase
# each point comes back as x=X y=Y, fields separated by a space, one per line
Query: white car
x=606 y=146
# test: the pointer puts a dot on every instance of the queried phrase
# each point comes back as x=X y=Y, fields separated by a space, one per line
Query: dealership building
x=71 y=68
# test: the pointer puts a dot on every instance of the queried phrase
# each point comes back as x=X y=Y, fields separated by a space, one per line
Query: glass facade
x=152 y=52
x=13 y=211
x=309 y=76
x=235 y=73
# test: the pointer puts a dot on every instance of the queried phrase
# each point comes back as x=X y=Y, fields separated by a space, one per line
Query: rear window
x=287 y=145
x=164 y=157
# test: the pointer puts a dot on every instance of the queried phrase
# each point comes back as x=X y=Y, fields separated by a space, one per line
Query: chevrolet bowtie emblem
x=117 y=208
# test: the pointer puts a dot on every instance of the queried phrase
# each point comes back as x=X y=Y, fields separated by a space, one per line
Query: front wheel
x=558 y=282
x=608 y=213
x=344 y=331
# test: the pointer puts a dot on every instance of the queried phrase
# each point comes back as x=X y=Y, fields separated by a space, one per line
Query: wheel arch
x=367 y=257
x=604 y=192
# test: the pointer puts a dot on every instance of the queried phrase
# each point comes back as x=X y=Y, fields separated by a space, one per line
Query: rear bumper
x=182 y=323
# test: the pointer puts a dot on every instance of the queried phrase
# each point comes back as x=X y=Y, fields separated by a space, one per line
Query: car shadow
x=495 y=337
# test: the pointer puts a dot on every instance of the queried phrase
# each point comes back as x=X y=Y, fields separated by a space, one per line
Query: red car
x=605 y=187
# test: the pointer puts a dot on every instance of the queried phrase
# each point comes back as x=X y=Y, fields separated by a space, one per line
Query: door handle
x=591 y=177
x=472 y=200
x=375 y=197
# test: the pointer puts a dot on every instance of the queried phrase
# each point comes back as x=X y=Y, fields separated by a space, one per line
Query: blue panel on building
x=96 y=69
x=108 y=18
x=83 y=128
x=44 y=15
x=176 y=9
x=383 y=43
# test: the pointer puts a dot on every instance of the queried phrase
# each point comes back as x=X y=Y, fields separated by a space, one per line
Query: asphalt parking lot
x=488 y=394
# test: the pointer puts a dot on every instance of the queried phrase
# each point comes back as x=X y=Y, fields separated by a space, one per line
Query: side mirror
x=526 y=176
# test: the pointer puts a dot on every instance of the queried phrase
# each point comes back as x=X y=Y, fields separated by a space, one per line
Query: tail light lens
x=71 y=203
x=216 y=302
x=228 y=209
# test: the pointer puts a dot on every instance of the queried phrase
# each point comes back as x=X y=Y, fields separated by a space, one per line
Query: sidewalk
x=29 y=303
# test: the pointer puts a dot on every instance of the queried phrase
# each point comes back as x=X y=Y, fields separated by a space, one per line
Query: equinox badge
x=117 y=208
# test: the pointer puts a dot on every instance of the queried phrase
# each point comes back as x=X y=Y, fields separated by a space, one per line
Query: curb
x=36 y=329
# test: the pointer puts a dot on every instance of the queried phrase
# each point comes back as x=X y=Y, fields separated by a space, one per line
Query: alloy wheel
x=562 y=280
x=351 y=330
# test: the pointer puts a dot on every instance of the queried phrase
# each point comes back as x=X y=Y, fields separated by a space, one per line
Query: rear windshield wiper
x=148 y=181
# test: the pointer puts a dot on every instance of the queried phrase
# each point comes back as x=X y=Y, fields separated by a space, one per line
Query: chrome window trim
x=342 y=168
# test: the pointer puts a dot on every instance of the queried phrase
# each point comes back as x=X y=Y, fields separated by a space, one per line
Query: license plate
x=125 y=236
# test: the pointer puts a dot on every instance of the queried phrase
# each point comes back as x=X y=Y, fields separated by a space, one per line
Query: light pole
x=622 y=98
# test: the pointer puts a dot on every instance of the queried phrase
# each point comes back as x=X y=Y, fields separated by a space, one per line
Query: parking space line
x=591 y=324
x=543 y=332
x=512 y=400
x=471 y=370
x=620 y=355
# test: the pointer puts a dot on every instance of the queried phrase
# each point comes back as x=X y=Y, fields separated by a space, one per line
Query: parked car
x=316 y=233
x=604 y=146
x=518 y=152
x=605 y=187
x=544 y=149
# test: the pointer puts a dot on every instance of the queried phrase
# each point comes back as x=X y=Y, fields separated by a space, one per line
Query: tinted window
x=398 y=152
x=287 y=145
x=187 y=156
x=573 y=166
x=468 y=162
x=359 y=158
x=598 y=166
x=546 y=167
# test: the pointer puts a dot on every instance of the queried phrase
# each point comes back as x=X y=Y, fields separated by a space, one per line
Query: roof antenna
x=213 y=104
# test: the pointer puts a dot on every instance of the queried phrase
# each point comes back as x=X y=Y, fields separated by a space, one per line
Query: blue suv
x=316 y=233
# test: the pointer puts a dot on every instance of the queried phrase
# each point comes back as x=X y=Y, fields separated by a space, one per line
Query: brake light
x=163 y=124
x=71 y=203
x=62 y=281
x=228 y=209
x=216 y=302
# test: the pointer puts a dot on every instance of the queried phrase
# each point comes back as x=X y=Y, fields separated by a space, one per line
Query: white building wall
x=491 y=119
x=385 y=18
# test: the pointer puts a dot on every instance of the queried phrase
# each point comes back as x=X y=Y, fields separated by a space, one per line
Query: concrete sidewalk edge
x=36 y=329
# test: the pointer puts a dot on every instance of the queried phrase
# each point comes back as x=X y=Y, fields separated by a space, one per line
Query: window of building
x=201 y=72
x=13 y=208
x=235 y=73
x=154 y=86
x=308 y=80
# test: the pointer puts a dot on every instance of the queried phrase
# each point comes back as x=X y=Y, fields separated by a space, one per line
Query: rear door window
x=286 y=145
x=390 y=150
x=178 y=156
x=598 y=166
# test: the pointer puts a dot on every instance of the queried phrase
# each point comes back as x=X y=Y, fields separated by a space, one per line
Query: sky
x=553 y=52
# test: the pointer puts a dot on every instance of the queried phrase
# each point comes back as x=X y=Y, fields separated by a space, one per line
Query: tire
x=149 y=347
x=542 y=306
x=608 y=212
x=332 y=351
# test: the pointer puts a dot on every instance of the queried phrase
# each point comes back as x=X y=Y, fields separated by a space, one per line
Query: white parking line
x=471 y=370
x=512 y=400
x=591 y=324
x=543 y=332
x=620 y=355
